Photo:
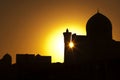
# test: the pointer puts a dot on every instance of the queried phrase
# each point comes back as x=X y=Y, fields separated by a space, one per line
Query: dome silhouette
x=99 y=27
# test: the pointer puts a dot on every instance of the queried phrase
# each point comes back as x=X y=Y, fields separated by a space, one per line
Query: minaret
x=67 y=39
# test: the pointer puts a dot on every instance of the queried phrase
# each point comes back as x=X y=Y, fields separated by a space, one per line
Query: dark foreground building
x=96 y=46
x=96 y=56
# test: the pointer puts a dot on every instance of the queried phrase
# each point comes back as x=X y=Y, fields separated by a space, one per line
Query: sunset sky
x=37 y=26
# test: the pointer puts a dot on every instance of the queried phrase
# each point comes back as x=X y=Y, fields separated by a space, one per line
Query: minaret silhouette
x=67 y=50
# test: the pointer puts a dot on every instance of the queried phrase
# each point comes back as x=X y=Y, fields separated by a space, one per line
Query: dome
x=7 y=56
x=99 y=27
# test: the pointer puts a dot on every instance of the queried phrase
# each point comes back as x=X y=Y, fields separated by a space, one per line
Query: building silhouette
x=30 y=59
x=6 y=60
x=97 y=46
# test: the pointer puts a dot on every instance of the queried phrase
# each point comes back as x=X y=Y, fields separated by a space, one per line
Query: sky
x=37 y=26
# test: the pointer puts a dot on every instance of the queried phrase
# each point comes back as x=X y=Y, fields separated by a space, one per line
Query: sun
x=71 y=44
x=55 y=46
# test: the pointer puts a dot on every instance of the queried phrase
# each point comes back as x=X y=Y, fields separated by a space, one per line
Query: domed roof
x=99 y=26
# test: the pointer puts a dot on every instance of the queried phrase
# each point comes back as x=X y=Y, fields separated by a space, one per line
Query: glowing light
x=55 y=46
x=71 y=44
x=55 y=41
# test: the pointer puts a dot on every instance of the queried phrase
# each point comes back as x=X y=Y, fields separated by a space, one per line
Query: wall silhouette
x=31 y=59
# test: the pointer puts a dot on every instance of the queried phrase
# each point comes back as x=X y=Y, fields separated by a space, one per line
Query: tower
x=67 y=38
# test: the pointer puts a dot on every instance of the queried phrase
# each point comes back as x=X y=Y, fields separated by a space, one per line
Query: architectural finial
x=67 y=30
x=98 y=10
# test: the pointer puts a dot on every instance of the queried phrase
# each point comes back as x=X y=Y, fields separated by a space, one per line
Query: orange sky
x=35 y=26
